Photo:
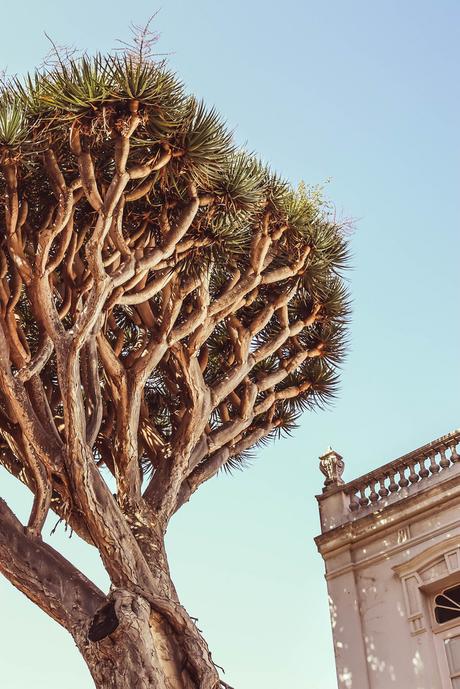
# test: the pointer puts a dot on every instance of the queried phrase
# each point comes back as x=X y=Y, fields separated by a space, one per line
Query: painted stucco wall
x=382 y=568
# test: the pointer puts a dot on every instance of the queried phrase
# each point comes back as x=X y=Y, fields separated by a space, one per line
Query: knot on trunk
x=122 y=607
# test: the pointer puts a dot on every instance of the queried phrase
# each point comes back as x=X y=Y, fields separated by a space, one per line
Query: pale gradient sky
x=365 y=93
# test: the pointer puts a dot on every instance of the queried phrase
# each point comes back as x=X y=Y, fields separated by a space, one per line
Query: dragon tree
x=167 y=304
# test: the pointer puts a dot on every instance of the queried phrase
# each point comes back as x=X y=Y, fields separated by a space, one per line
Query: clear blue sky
x=365 y=93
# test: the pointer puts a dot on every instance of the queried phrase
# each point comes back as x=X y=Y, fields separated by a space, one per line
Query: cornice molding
x=386 y=519
x=427 y=557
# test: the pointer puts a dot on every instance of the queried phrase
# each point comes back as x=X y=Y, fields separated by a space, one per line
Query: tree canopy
x=167 y=303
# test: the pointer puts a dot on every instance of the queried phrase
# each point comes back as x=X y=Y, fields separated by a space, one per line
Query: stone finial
x=331 y=465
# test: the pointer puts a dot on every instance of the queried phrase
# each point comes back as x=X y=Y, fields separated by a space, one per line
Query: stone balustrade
x=375 y=487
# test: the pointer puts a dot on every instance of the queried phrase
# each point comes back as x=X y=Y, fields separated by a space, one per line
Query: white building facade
x=391 y=545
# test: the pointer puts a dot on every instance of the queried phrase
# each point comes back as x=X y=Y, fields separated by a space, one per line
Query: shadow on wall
x=379 y=671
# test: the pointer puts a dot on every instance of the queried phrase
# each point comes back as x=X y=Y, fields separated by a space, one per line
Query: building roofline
x=444 y=489
x=425 y=450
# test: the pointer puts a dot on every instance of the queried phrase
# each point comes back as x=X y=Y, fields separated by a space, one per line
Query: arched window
x=447 y=605
x=446 y=608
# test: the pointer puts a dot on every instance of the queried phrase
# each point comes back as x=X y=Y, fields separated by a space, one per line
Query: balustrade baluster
x=423 y=473
x=354 y=502
x=454 y=456
x=444 y=463
x=403 y=482
x=433 y=465
x=373 y=495
x=363 y=500
x=393 y=486
x=383 y=491
x=413 y=476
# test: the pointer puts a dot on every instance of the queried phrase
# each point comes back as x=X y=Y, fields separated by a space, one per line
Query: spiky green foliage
x=98 y=95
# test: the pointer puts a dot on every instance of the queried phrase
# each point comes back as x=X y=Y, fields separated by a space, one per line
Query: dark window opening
x=447 y=605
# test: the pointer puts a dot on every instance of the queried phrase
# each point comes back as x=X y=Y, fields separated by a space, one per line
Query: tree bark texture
x=123 y=640
x=141 y=651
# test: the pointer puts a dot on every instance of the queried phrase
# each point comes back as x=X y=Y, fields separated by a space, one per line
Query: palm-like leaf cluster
x=243 y=201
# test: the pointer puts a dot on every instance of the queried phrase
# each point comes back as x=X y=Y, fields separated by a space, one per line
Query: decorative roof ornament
x=331 y=465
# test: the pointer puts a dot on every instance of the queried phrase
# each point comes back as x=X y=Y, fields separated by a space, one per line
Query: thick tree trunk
x=129 y=647
x=129 y=640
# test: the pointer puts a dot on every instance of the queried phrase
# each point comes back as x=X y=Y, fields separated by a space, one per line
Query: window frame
x=442 y=592
x=441 y=654
x=431 y=592
x=441 y=631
